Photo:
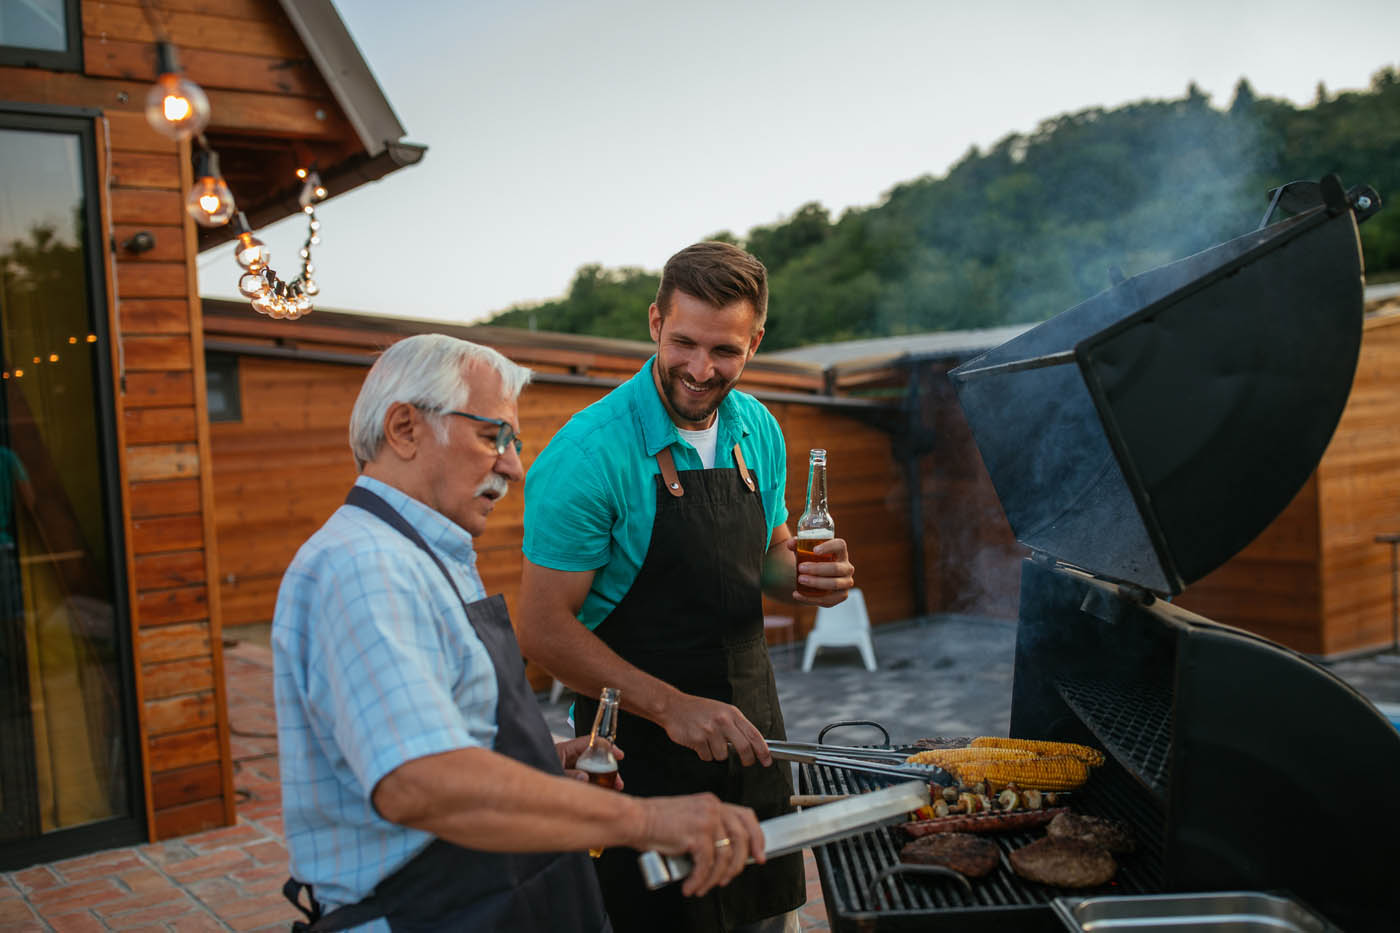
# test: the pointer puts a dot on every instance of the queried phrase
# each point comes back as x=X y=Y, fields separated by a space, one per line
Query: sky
x=620 y=131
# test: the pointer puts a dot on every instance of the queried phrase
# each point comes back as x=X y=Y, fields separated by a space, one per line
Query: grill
x=1138 y=441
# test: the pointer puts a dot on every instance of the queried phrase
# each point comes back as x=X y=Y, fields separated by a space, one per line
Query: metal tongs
x=793 y=832
x=882 y=761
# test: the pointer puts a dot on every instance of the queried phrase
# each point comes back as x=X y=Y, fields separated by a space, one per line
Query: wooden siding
x=1360 y=498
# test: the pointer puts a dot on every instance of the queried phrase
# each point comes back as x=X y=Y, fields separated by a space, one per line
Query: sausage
x=1005 y=822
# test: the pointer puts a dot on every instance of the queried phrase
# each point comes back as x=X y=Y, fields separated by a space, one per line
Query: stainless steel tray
x=1205 y=912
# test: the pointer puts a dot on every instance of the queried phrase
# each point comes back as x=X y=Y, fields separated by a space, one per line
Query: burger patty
x=1096 y=830
x=1064 y=863
x=965 y=853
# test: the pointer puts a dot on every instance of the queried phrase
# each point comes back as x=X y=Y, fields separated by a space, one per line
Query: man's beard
x=681 y=403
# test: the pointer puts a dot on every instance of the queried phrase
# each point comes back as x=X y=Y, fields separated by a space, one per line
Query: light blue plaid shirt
x=376 y=665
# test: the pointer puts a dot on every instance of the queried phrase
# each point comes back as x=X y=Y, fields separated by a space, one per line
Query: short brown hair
x=717 y=273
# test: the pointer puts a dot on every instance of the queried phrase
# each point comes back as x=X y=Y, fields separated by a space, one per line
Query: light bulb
x=302 y=304
x=252 y=285
x=209 y=202
x=251 y=253
x=264 y=303
x=175 y=105
x=310 y=287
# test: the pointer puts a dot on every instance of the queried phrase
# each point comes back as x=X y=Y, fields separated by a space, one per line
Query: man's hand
x=835 y=575
x=710 y=728
x=694 y=825
x=569 y=751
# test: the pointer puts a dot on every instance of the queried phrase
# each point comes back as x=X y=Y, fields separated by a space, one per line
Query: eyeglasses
x=505 y=434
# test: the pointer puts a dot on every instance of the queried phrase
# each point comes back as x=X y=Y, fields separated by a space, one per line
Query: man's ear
x=654 y=321
x=403 y=430
x=753 y=343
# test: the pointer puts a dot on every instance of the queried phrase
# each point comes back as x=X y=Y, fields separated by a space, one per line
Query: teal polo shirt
x=590 y=496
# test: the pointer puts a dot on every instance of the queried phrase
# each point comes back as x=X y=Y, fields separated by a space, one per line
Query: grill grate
x=848 y=866
x=1134 y=722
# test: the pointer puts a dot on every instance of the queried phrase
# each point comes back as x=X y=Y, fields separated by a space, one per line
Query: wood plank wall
x=282 y=470
x=161 y=407
x=1359 y=479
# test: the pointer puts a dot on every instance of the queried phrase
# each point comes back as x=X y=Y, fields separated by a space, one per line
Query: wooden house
x=112 y=715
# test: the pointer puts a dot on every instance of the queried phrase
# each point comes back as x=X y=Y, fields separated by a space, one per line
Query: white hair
x=428 y=371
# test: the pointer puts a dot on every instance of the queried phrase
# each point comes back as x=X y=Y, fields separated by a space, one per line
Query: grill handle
x=853 y=722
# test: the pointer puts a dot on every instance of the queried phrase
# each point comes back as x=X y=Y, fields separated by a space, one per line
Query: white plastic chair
x=846 y=623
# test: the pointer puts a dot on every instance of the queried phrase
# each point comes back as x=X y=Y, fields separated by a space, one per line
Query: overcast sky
x=619 y=131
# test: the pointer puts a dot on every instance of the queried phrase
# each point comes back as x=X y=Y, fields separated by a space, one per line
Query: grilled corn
x=1090 y=756
x=946 y=756
x=1046 y=774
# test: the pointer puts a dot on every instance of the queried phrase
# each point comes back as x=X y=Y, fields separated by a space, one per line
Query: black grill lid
x=1149 y=433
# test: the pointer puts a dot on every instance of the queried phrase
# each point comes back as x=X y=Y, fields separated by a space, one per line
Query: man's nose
x=510 y=465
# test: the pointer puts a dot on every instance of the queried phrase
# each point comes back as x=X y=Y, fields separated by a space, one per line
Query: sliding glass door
x=68 y=773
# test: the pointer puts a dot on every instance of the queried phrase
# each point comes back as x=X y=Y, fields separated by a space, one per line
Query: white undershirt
x=703 y=442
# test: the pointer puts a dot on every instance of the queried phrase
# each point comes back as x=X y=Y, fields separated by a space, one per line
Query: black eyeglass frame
x=505 y=434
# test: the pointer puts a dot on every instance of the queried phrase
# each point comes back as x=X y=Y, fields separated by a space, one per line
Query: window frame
x=69 y=59
x=130 y=828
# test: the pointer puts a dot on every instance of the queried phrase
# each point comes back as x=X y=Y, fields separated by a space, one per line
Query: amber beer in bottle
x=816 y=524
x=597 y=760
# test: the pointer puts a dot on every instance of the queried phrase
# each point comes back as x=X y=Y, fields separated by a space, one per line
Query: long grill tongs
x=887 y=764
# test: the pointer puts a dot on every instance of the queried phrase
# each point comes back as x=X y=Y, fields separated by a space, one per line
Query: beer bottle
x=816 y=524
x=597 y=760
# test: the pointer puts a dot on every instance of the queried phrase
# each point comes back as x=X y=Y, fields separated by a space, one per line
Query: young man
x=421 y=788
x=655 y=518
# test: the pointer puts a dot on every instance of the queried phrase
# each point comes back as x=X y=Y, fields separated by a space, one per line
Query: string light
x=267 y=293
x=175 y=105
x=209 y=202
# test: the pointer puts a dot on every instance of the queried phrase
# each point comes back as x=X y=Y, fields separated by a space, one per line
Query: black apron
x=446 y=886
x=694 y=618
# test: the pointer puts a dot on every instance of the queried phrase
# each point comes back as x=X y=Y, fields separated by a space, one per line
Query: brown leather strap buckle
x=669 y=475
x=744 y=473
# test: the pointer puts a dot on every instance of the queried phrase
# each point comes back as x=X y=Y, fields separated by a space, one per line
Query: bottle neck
x=605 y=723
x=816 y=486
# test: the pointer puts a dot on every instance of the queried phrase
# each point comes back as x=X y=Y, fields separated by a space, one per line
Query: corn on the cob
x=1090 y=756
x=1057 y=773
x=946 y=756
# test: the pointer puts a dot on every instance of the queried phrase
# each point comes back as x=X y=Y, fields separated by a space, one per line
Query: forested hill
x=1031 y=227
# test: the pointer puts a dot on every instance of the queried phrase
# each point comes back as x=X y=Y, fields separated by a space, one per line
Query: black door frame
x=130 y=828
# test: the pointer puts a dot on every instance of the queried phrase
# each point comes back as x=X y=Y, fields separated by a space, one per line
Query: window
x=221 y=387
x=41 y=34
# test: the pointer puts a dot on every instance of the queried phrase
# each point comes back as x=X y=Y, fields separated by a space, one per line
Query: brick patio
x=223 y=879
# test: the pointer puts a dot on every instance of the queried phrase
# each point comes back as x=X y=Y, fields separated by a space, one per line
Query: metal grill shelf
x=1002 y=900
x=1134 y=722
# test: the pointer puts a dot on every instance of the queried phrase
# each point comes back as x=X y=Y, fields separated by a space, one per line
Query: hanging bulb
x=252 y=285
x=312 y=191
x=310 y=287
x=175 y=105
x=209 y=202
x=302 y=304
x=248 y=251
x=265 y=302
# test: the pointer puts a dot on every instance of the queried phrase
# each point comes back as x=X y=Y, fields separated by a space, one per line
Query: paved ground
x=946 y=676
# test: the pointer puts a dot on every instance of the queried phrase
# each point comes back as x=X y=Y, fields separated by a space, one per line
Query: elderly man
x=421 y=787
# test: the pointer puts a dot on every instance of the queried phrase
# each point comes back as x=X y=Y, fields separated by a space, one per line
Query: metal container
x=1214 y=912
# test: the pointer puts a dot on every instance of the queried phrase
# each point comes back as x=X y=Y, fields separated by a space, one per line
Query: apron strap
x=342 y=918
x=744 y=473
x=668 y=472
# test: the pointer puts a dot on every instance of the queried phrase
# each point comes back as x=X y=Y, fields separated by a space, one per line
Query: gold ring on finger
x=721 y=843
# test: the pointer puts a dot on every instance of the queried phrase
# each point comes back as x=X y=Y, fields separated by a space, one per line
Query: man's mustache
x=495 y=483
